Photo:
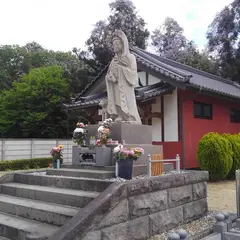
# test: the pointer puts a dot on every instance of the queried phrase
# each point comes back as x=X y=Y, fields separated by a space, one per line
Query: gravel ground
x=192 y=228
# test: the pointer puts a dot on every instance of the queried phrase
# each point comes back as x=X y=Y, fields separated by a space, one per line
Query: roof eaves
x=160 y=67
x=213 y=91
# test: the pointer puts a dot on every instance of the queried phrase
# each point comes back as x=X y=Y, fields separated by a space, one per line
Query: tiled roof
x=179 y=74
x=199 y=79
x=142 y=94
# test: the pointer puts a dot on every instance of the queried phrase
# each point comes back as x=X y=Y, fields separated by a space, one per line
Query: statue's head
x=120 y=42
x=117 y=45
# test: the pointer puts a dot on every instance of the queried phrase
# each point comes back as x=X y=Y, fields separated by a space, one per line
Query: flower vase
x=56 y=163
x=125 y=167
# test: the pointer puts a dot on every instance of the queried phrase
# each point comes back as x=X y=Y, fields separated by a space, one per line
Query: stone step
x=75 y=198
x=46 y=212
x=3 y=238
x=63 y=182
x=81 y=173
x=69 y=165
x=16 y=228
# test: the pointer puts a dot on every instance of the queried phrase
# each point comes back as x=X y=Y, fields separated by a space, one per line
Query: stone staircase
x=35 y=206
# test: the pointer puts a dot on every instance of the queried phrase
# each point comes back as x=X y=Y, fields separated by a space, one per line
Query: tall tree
x=168 y=39
x=224 y=40
x=170 y=42
x=32 y=107
x=124 y=17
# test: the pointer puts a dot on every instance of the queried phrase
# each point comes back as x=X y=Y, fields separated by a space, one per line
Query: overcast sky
x=64 y=24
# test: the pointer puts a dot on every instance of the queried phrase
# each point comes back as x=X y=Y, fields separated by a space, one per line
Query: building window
x=234 y=115
x=202 y=110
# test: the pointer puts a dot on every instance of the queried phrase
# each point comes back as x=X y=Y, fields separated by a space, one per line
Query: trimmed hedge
x=235 y=143
x=24 y=164
x=215 y=155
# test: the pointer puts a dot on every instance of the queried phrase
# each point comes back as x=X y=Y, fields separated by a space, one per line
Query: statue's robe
x=121 y=79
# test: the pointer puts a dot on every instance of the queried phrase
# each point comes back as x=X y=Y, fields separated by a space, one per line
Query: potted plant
x=57 y=156
x=80 y=134
x=125 y=158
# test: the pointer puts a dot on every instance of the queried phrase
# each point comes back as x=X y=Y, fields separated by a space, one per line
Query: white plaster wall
x=100 y=112
x=156 y=122
x=142 y=76
x=171 y=117
x=153 y=80
x=12 y=149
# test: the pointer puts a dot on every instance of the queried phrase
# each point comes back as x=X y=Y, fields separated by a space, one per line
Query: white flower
x=79 y=130
x=100 y=129
x=117 y=149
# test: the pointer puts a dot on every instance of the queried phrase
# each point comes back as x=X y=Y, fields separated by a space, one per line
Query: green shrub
x=235 y=143
x=214 y=154
x=24 y=164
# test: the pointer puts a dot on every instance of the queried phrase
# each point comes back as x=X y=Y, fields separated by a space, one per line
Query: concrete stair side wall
x=140 y=209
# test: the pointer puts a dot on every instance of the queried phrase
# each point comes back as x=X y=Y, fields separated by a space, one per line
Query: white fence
x=12 y=149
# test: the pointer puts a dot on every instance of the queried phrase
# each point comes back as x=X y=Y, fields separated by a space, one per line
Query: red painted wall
x=195 y=128
x=170 y=149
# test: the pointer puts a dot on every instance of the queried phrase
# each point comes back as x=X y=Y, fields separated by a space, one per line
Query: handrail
x=150 y=161
x=149 y=165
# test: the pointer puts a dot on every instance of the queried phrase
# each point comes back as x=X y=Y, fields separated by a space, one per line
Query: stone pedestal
x=99 y=156
x=130 y=135
x=126 y=132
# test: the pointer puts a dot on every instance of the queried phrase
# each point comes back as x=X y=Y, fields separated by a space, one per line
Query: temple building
x=180 y=102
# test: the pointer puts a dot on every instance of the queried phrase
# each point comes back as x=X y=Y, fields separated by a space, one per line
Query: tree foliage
x=32 y=107
x=224 y=40
x=170 y=42
x=15 y=61
x=235 y=144
x=124 y=17
x=214 y=155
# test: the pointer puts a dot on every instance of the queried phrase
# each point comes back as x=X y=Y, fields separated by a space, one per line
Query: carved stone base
x=128 y=133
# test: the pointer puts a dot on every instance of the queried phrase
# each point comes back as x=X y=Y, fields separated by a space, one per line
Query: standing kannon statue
x=121 y=79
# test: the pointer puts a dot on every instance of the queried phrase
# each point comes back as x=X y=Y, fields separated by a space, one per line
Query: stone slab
x=10 y=226
x=231 y=236
x=165 y=220
x=137 y=229
x=130 y=133
x=50 y=213
x=199 y=190
x=147 y=203
x=179 y=196
x=75 y=198
x=95 y=185
x=195 y=210
x=96 y=235
x=97 y=174
x=117 y=215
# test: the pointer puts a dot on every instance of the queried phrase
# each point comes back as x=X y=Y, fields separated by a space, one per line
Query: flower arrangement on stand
x=125 y=158
x=57 y=155
x=104 y=132
x=80 y=134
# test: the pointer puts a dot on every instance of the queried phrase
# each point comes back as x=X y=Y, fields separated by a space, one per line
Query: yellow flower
x=60 y=146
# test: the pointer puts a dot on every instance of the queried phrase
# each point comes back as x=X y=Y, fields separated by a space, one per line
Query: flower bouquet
x=56 y=154
x=80 y=134
x=104 y=132
x=125 y=158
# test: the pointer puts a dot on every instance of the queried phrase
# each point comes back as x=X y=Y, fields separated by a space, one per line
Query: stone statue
x=103 y=104
x=121 y=79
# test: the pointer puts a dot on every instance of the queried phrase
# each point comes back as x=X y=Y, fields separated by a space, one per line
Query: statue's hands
x=111 y=78
x=124 y=61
